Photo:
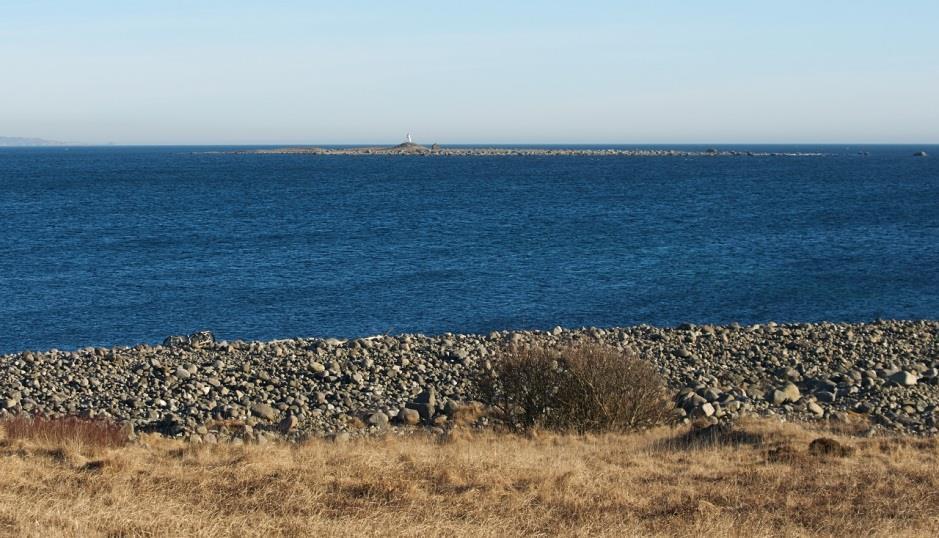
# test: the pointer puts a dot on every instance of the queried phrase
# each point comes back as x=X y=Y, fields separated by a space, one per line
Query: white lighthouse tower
x=408 y=138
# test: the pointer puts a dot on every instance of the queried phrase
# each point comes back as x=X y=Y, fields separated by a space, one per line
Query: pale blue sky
x=470 y=72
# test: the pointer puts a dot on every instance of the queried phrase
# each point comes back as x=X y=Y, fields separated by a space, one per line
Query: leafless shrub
x=585 y=388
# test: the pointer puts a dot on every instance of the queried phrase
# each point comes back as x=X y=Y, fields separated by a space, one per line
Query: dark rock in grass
x=824 y=446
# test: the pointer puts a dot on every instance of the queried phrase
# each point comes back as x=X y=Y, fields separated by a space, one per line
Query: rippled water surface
x=103 y=246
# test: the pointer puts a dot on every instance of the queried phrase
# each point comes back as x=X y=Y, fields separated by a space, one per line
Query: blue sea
x=124 y=245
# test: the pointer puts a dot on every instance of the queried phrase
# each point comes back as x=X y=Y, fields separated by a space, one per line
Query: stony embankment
x=207 y=390
x=414 y=149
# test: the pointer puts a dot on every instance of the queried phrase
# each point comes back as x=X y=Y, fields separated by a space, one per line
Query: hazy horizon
x=601 y=72
x=68 y=144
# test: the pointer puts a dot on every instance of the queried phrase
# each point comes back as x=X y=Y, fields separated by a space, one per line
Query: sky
x=357 y=71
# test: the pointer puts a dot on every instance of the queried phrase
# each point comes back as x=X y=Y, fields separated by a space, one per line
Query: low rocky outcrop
x=436 y=150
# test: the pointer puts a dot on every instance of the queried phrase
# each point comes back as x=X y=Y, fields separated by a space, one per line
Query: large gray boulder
x=903 y=378
x=263 y=410
x=411 y=417
x=425 y=403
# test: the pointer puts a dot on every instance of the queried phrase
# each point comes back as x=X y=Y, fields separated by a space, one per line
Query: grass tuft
x=95 y=434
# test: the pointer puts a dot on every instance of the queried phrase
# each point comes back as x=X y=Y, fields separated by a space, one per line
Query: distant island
x=18 y=142
x=411 y=148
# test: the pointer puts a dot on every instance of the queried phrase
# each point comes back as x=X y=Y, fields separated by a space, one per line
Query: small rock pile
x=207 y=390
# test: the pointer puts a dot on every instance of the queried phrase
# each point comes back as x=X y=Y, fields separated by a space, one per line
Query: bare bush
x=585 y=388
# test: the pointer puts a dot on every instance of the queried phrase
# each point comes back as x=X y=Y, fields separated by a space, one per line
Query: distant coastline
x=20 y=142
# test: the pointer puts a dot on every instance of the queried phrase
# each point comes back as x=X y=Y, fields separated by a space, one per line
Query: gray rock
x=288 y=423
x=705 y=410
x=693 y=400
x=263 y=410
x=903 y=378
x=792 y=393
x=425 y=403
x=815 y=409
x=176 y=341
x=711 y=394
x=450 y=407
x=410 y=417
x=777 y=397
x=201 y=339
x=378 y=419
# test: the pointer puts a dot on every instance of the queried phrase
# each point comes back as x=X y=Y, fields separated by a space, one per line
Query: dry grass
x=73 y=431
x=758 y=480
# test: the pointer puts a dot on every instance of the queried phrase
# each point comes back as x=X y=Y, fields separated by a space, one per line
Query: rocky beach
x=885 y=373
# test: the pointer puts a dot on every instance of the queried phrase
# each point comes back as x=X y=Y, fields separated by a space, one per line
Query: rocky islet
x=207 y=390
x=446 y=151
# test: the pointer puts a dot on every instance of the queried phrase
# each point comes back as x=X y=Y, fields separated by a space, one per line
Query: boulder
x=704 y=411
x=410 y=417
x=288 y=423
x=425 y=403
x=692 y=401
x=176 y=341
x=201 y=339
x=378 y=419
x=263 y=410
x=815 y=409
x=777 y=397
x=792 y=392
x=903 y=378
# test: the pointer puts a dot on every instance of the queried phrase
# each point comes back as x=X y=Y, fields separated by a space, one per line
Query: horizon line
x=56 y=144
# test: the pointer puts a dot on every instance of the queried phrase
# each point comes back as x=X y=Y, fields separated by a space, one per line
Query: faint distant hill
x=13 y=141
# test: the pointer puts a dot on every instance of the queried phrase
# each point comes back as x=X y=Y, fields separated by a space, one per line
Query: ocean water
x=114 y=246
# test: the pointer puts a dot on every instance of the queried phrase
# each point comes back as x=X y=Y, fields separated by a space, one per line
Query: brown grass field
x=759 y=480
